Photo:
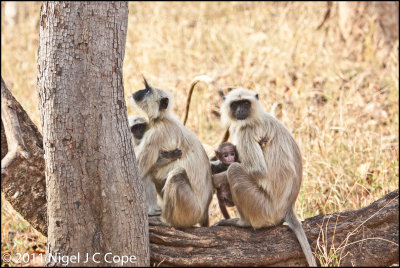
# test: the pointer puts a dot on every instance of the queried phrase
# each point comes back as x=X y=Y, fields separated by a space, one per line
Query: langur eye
x=233 y=105
x=246 y=103
x=257 y=96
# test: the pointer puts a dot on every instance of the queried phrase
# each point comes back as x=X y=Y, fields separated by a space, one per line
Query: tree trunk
x=95 y=199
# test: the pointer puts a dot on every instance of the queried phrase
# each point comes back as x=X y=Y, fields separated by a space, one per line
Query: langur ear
x=146 y=84
x=217 y=154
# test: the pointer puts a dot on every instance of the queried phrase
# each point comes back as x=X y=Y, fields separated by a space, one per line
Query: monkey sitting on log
x=185 y=185
x=266 y=182
x=138 y=126
x=226 y=155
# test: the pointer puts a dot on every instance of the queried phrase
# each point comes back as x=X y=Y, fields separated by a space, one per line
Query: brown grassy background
x=341 y=104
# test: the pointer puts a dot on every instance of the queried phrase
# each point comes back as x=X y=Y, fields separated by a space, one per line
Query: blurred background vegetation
x=334 y=83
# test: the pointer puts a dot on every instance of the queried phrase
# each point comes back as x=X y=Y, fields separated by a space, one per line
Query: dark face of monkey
x=241 y=109
x=138 y=130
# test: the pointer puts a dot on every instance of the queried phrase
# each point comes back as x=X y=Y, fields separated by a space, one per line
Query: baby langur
x=226 y=155
x=266 y=182
x=138 y=126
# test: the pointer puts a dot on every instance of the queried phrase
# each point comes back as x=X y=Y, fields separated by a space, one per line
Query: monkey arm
x=166 y=157
x=217 y=167
x=254 y=163
x=161 y=161
x=147 y=155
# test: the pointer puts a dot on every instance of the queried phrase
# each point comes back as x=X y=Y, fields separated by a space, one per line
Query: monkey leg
x=181 y=207
x=252 y=202
x=222 y=206
x=204 y=221
x=151 y=197
x=159 y=184
x=225 y=193
x=239 y=222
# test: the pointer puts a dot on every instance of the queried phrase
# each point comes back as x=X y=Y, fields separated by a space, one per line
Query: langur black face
x=240 y=109
x=138 y=130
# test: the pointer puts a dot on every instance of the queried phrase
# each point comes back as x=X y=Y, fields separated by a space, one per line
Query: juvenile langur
x=185 y=185
x=266 y=182
x=226 y=155
x=138 y=126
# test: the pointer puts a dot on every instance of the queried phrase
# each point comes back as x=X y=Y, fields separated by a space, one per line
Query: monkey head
x=240 y=106
x=138 y=126
x=227 y=153
x=155 y=102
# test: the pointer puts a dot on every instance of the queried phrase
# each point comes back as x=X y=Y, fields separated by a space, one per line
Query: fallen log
x=364 y=237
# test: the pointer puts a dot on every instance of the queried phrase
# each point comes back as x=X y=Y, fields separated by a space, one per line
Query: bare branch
x=16 y=147
x=22 y=179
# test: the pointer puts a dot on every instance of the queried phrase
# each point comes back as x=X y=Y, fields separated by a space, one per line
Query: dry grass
x=342 y=109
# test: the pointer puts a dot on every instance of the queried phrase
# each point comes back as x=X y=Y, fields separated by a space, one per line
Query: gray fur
x=187 y=189
x=150 y=190
x=266 y=183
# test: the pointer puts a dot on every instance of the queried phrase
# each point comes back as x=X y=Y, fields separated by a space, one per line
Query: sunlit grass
x=343 y=111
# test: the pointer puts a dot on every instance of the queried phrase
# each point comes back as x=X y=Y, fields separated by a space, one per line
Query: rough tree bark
x=95 y=199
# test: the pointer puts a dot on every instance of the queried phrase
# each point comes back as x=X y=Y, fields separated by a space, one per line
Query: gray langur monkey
x=138 y=126
x=266 y=182
x=184 y=185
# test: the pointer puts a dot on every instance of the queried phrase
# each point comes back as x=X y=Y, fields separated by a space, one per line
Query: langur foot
x=157 y=221
x=228 y=222
x=154 y=212
x=238 y=222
